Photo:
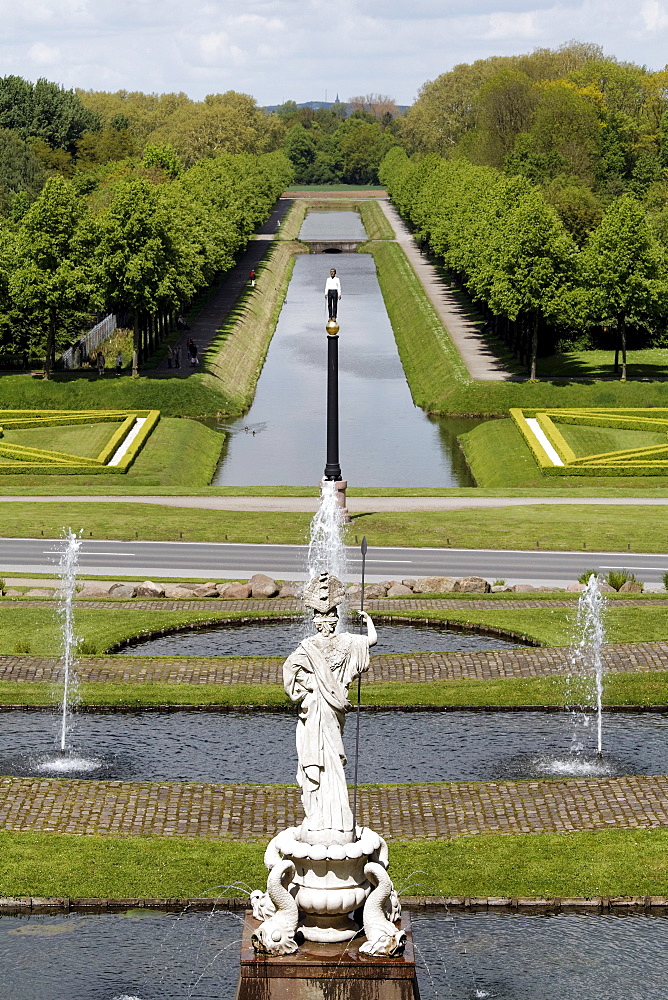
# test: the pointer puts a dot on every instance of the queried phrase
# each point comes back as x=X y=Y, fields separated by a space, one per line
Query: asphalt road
x=207 y=561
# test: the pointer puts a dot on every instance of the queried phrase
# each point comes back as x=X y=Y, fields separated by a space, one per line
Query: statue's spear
x=363 y=548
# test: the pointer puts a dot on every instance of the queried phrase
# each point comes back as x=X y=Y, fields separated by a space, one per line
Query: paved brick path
x=472 y=665
x=246 y=812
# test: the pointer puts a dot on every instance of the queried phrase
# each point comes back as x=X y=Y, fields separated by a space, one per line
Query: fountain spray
x=67 y=571
x=326 y=551
x=587 y=653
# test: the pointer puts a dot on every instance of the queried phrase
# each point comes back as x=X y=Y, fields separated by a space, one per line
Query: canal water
x=385 y=439
x=144 y=955
x=237 y=746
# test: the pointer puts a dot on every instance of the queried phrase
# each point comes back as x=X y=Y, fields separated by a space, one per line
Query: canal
x=385 y=439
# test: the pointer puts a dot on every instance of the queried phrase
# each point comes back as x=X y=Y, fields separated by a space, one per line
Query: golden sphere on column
x=332 y=327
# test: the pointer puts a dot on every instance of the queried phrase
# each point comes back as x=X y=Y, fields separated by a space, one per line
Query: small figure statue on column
x=332 y=293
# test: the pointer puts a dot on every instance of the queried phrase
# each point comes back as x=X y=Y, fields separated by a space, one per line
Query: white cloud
x=43 y=55
x=513 y=26
x=282 y=49
x=654 y=15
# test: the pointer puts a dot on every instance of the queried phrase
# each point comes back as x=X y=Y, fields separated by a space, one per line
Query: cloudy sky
x=303 y=50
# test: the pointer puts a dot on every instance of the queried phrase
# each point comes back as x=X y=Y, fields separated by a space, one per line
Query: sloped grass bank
x=498 y=456
x=610 y=863
x=647 y=690
x=178 y=453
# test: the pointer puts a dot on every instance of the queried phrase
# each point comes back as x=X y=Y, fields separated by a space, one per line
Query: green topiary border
x=30 y=460
x=649 y=461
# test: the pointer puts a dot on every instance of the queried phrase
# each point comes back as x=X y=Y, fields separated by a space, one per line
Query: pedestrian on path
x=119 y=363
x=100 y=363
x=332 y=293
x=170 y=356
x=192 y=352
x=177 y=356
x=251 y=277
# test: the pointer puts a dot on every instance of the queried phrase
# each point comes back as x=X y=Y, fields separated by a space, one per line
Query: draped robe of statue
x=318 y=675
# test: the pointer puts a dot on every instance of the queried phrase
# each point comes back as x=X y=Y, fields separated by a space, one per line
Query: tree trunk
x=534 y=346
x=616 y=368
x=50 y=351
x=622 y=337
x=135 y=346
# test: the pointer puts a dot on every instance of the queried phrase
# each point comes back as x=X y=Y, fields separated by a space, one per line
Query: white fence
x=89 y=342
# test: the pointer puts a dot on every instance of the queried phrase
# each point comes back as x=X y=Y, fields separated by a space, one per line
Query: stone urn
x=329 y=883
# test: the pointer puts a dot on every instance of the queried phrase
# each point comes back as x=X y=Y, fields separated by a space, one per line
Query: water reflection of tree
x=450 y=429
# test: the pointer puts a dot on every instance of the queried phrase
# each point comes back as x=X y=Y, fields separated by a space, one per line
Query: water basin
x=282 y=637
x=465 y=957
x=260 y=746
x=332 y=226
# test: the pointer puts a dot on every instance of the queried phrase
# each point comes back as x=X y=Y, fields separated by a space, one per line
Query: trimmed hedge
x=29 y=460
x=624 y=462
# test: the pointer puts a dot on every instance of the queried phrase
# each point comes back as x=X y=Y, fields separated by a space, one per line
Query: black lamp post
x=333 y=466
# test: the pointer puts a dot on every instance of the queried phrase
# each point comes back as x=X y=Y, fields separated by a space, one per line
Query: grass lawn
x=37 y=627
x=618 y=528
x=609 y=863
x=596 y=440
x=650 y=363
x=178 y=453
x=85 y=440
x=498 y=456
x=646 y=689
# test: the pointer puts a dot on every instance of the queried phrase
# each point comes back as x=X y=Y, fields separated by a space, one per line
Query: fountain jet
x=67 y=571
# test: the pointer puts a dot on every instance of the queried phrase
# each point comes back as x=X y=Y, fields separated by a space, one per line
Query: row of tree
x=142 y=244
x=508 y=247
x=582 y=125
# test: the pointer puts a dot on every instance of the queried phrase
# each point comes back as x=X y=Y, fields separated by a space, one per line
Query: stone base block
x=326 y=972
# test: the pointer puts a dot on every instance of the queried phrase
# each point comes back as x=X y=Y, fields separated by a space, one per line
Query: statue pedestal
x=321 y=971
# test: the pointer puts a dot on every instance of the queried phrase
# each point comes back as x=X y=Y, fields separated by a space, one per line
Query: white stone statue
x=323 y=872
x=318 y=675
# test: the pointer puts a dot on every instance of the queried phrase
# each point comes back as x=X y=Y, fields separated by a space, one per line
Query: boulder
x=605 y=588
x=631 y=587
x=91 y=588
x=205 y=590
x=262 y=586
x=179 y=591
x=222 y=588
x=122 y=591
x=471 y=585
x=291 y=588
x=354 y=593
x=374 y=591
x=498 y=590
x=150 y=589
x=41 y=592
x=434 y=585
x=13 y=593
x=576 y=588
x=411 y=584
x=237 y=592
x=522 y=588
x=398 y=590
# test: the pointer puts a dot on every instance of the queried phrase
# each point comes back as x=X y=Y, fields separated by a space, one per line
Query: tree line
x=141 y=241
x=507 y=246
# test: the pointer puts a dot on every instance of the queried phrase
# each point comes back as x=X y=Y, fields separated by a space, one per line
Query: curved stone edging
x=10 y=905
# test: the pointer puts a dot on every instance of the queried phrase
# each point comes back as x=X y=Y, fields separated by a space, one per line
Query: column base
x=319 y=971
x=341 y=486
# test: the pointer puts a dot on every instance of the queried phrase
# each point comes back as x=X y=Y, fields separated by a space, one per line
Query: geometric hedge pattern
x=651 y=460
x=24 y=459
